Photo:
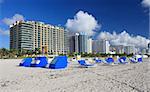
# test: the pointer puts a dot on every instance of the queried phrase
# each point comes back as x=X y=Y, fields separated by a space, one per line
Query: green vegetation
x=13 y=53
x=97 y=55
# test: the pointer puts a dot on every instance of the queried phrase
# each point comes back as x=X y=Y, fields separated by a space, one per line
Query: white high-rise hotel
x=101 y=46
x=31 y=35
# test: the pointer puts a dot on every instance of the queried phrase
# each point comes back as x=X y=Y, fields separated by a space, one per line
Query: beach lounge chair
x=59 y=62
x=133 y=60
x=122 y=60
x=136 y=59
x=26 y=62
x=140 y=59
x=97 y=60
x=108 y=61
x=84 y=64
x=40 y=62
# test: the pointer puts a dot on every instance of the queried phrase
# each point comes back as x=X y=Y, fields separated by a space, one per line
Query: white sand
x=118 y=78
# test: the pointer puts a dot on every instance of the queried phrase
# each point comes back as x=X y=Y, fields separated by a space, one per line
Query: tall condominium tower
x=48 y=38
x=21 y=36
x=101 y=46
x=83 y=38
x=148 y=48
x=80 y=43
x=130 y=49
x=77 y=42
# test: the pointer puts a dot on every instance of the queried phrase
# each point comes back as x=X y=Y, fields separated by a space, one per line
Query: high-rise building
x=50 y=39
x=21 y=36
x=89 y=46
x=148 y=50
x=119 y=49
x=96 y=46
x=101 y=46
x=83 y=38
x=80 y=43
x=130 y=49
x=104 y=46
x=77 y=42
x=72 y=44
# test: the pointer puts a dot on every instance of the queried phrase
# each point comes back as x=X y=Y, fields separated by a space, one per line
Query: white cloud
x=124 y=38
x=4 y=32
x=10 y=21
x=83 y=22
x=146 y=3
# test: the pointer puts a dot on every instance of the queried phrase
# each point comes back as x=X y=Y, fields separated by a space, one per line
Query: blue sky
x=113 y=15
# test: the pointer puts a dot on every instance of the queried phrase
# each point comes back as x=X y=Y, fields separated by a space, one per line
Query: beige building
x=50 y=39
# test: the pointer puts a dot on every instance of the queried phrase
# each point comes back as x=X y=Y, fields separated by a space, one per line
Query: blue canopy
x=40 y=62
x=26 y=62
x=59 y=62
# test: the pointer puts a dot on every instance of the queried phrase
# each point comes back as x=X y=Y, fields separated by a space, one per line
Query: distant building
x=31 y=35
x=83 y=39
x=80 y=43
x=119 y=49
x=96 y=46
x=130 y=49
x=89 y=46
x=77 y=42
x=72 y=44
x=148 y=48
x=101 y=46
x=105 y=45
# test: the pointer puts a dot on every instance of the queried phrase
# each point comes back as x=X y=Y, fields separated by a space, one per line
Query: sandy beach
x=102 y=78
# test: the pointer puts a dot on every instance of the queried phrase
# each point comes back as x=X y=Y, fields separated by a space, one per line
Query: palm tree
x=4 y=52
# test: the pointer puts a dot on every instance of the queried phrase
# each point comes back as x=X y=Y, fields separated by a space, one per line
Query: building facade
x=89 y=46
x=101 y=46
x=83 y=38
x=119 y=49
x=130 y=49
x=148 y=50
x=77 y=42
x=48 y=38
x=21 y=36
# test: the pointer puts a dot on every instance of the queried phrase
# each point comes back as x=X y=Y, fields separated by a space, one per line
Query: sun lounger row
x=61 y=62
x=111 y=61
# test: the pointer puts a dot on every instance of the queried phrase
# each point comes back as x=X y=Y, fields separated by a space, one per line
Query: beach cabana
x=122 y=60
x=59 y=62
x=40 y=62
x=26 y=62
x=84 y=64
